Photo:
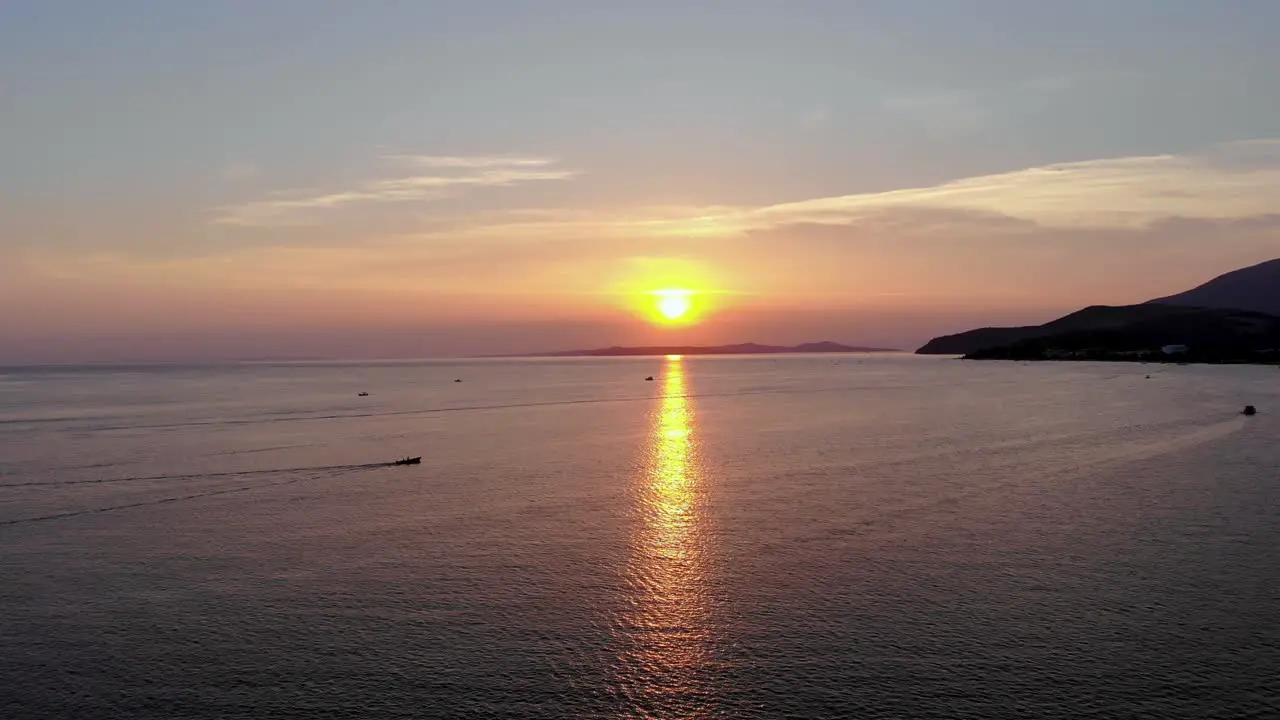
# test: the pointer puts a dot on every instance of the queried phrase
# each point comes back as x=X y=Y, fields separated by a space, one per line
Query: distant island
x=1234 y=318
x=741 y=349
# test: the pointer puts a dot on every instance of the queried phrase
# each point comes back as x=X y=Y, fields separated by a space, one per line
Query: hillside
x=1252 y=289
x=1255 y=288
x=1096 y=317
x=1212 y=335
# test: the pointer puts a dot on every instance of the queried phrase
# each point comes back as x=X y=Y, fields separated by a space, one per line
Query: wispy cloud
x=302 y=207
x=1108 y=193
x=1227 y=182
x=1006 y=237
x=643 y=222
x=1225 y=192
x=480 y=161
x=1223 y=182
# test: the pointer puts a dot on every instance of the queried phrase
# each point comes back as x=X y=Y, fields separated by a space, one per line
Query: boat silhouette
x=408 y=461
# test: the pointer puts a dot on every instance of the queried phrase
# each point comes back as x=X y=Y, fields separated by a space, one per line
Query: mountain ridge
x=1256 y=288
x=825 y=346
x=1253 y=289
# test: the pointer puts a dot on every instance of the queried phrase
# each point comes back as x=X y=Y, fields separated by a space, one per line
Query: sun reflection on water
x=666 y=626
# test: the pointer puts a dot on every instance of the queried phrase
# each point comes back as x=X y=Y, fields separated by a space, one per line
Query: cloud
x=1223 y=182
x=1213 y=202
x=662 y=221
x=1228 y=182
x=482 y=161
x=1109 y=193
x=302 y=207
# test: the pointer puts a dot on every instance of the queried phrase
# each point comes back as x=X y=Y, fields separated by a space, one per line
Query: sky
x=322 y=178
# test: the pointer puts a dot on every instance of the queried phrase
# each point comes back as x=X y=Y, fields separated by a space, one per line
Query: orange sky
x=197 y=189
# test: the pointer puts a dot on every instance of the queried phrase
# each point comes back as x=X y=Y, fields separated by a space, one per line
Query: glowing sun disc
x=674 y=304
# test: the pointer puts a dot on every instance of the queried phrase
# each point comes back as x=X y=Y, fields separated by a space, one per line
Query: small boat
x=458 y=380
x=409 y=461
x=649 y=379
x=1250 y=410
x=364 y=394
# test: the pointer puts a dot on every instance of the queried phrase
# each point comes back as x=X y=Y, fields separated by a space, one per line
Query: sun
x=673 y=306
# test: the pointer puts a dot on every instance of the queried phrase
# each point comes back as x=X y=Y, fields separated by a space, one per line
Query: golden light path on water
x=667 y=624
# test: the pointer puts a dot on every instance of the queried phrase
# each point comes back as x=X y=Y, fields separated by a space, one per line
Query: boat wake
x=310 y=474
x=192 y=476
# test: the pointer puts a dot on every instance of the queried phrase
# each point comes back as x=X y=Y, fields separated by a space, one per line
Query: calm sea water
x=769 y=537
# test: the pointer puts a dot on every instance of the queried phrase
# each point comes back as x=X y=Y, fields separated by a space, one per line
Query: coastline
x=1113 y=358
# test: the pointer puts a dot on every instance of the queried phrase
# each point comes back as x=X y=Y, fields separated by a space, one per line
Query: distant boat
x=458 y=380
x=409 y=461
x=649 y=379
x=364 y=394
x=1250 y=410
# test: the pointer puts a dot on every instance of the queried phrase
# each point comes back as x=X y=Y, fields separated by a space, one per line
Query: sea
x=823 y=536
